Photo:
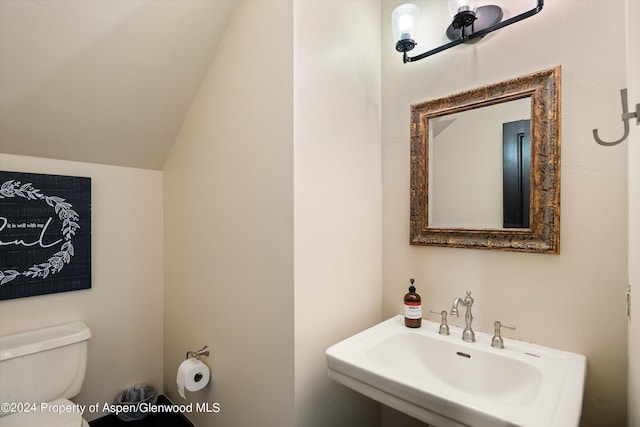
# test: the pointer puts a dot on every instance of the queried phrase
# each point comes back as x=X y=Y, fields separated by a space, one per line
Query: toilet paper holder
x=204 y=351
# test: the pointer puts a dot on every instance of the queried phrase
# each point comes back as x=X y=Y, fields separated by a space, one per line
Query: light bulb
x=403 y=20
x=457 y=6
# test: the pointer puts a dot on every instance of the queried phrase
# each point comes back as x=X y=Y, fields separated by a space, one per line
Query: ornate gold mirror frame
x=543 y=233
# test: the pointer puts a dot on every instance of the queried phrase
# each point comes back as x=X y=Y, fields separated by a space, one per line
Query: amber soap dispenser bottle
x=412 y=308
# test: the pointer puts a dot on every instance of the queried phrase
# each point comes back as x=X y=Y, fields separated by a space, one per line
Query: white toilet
x=39 y=371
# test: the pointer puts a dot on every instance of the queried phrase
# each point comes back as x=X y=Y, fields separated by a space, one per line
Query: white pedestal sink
x=447 y=382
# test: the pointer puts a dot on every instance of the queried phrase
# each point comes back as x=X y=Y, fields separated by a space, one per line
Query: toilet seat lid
x=45 y=417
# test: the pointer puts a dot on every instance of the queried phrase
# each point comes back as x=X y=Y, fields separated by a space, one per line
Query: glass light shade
x=403 y=19
x=457 y=6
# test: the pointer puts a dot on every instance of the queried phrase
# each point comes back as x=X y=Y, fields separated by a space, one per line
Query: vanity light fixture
x=468 y=23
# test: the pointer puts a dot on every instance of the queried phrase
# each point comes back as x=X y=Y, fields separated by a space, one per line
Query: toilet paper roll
x=193 y=375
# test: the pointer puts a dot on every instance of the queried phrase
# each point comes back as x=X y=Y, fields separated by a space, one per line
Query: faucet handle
x=499 y=325
x=497 y=341
x=468 y=299
x=444 y=327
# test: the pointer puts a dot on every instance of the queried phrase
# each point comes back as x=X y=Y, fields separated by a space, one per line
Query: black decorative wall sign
x=45 y=234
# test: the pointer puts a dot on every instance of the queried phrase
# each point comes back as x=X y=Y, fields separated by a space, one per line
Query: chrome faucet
x=467 y=334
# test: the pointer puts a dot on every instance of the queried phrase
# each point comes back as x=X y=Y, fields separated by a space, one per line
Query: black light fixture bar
x=476 y=34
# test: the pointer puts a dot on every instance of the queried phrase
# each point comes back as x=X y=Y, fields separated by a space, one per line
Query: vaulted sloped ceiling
x=103 y=81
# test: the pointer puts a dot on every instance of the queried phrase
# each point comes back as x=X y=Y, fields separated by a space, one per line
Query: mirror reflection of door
x=516 y=173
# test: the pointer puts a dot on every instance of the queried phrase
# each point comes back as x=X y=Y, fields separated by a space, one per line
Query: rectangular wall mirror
x=485 y=167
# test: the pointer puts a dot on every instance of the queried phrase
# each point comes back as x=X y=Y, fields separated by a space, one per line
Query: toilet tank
x=43 y=364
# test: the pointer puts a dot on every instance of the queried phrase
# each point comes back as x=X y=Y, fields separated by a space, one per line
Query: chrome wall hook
x=626 y=116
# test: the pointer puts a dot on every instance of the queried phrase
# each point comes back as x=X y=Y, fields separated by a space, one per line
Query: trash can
x=133 y=404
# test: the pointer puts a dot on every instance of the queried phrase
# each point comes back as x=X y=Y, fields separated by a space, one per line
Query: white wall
x=232 y=212
x=229 y=226
x=337 y=170
x=633 y=143
x=572 y=301
x=123 y=308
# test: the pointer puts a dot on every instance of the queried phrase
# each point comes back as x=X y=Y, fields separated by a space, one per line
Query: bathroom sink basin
x=447 y=382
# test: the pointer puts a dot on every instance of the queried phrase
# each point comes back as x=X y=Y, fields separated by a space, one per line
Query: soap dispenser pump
x=412 y=308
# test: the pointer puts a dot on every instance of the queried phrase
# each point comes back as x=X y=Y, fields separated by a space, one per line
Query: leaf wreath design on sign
x=69 y=218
